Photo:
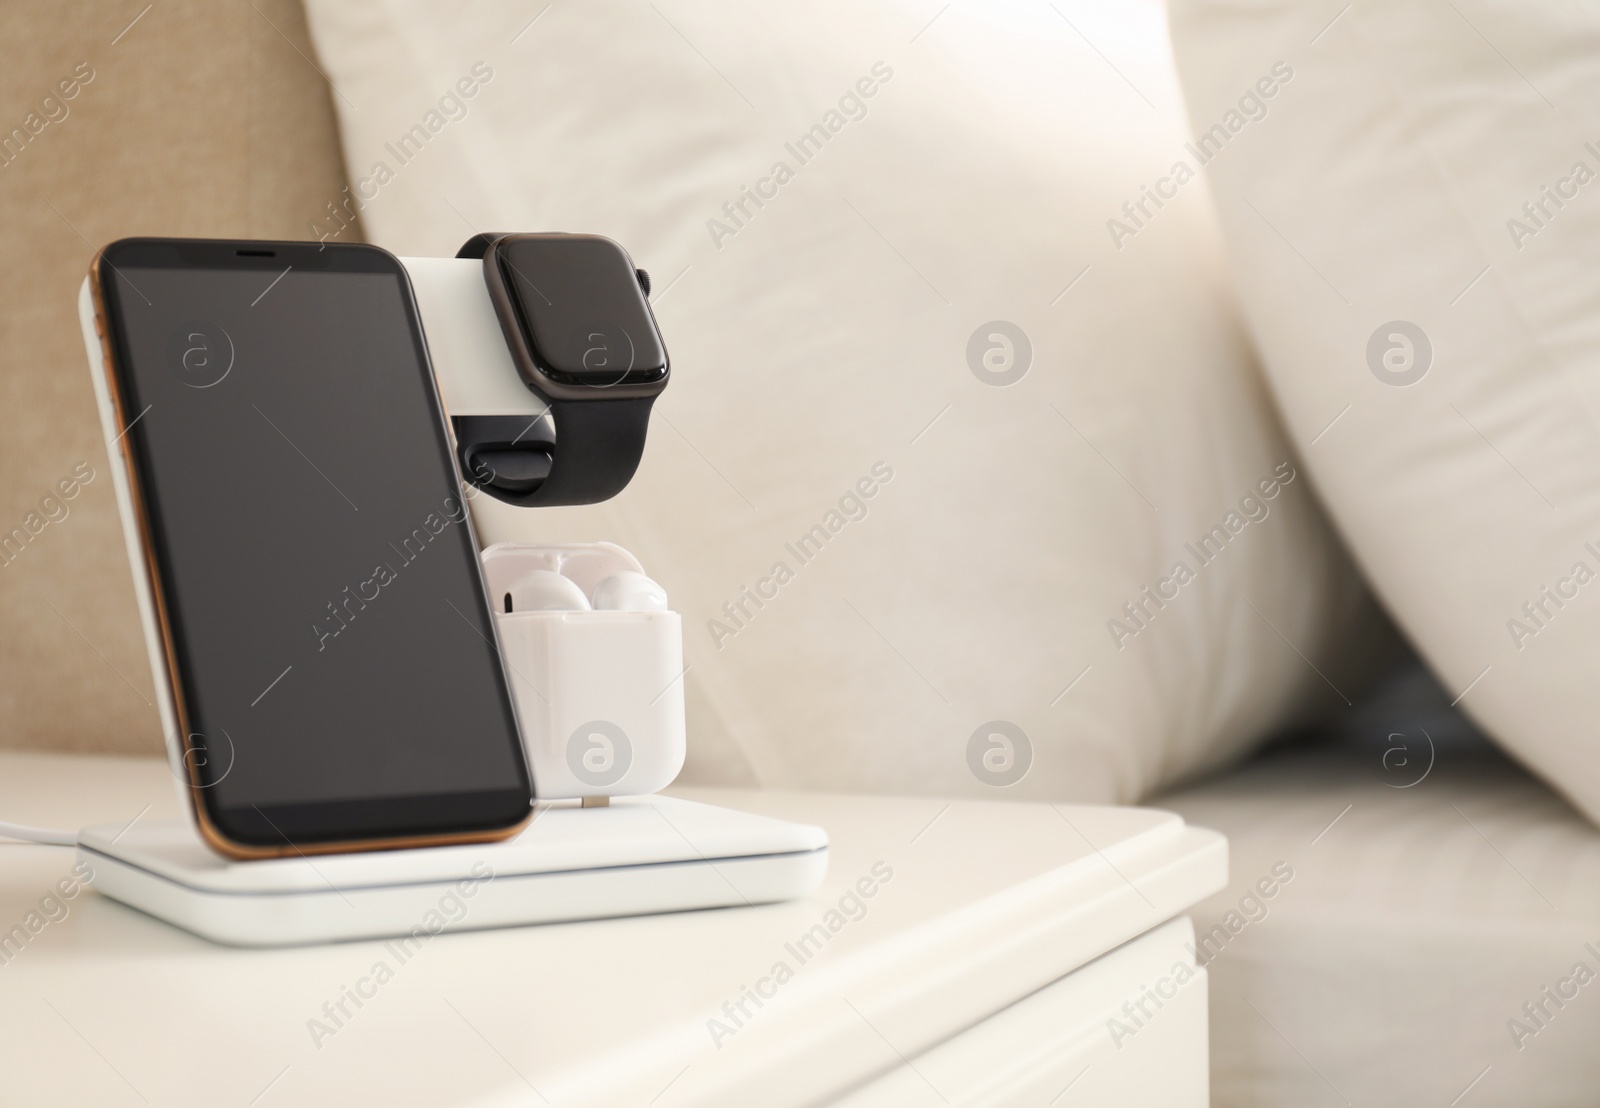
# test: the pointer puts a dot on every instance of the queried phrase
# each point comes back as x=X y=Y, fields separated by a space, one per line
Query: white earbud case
x=599 y=693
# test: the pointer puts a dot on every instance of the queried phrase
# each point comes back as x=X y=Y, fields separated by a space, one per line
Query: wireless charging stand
x=635 y=855
x=639 y=855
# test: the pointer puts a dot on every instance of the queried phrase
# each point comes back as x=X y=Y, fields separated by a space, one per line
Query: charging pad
x=638 y=856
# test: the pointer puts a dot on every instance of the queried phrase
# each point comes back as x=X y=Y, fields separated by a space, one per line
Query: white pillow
x=1414 y=226
x=946 y=560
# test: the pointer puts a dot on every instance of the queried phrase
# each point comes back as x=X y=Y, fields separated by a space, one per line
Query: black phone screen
x=335 y=655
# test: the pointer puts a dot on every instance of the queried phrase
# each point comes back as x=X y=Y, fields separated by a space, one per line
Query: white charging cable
x=42 y=835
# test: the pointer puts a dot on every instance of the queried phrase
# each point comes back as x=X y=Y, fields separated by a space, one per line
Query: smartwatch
x=581 y=334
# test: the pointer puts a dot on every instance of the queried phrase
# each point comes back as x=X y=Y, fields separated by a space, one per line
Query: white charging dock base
x=638 y=855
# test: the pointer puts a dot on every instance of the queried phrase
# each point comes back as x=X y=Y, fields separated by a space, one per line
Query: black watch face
x=582 y=309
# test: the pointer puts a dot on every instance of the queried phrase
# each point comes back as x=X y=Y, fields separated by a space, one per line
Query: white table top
x=973 y=905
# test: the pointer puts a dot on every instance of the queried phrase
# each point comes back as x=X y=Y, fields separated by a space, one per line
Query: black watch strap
x=598 y=447
x=592 y=455
x=478 y=245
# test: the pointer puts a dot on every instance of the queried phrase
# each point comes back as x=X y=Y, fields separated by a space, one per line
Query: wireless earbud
x=544 y=590
x=629 y=592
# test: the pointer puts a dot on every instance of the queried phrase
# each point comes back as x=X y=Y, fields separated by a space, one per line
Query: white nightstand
x=958 y=953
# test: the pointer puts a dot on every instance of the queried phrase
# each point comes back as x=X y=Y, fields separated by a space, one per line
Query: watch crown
x=644 y=281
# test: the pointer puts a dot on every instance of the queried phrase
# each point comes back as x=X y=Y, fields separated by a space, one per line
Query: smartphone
x=315 y=605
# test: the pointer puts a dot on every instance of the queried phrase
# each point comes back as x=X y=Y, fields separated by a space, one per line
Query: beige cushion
x=1414 y=227
x=821 y=343
x=202 y=120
